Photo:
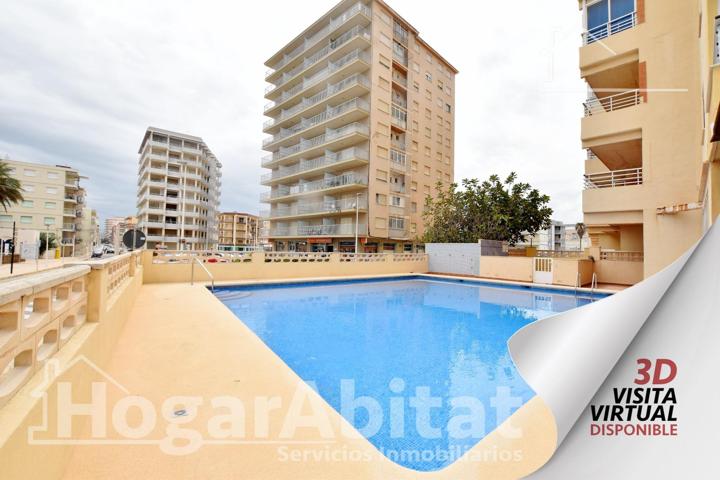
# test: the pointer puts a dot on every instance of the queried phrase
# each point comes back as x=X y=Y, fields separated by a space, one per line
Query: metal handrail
x=192 y=273
x=614 y=178
x=621 y=100
x=612 y=27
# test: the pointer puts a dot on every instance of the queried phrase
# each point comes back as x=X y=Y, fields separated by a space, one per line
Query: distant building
x=551 y=238
x=237 y=230
x=573 y=241
x=119 y=228
x=54 y=202
x=178 y=191
x=110 y=224
x=89 y=234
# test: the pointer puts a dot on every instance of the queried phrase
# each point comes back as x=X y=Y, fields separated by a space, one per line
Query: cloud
x=83 y=79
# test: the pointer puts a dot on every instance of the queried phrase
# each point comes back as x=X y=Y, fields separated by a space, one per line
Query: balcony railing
x=344 y=229
x=321 y=75
x=328 y=114
x=614 y=178
x=630 y=98
x=325 y=207
x=334 y=24
x=315 y=186
x=329 y=136
x=617 y=25
x=346 y=37
x=357 y=79
x=329 y=158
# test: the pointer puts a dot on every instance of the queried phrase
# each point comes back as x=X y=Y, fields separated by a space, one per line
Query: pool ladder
x=192 y=273
x=593 y=283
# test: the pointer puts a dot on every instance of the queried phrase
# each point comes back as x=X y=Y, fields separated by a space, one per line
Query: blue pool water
x=387 y=339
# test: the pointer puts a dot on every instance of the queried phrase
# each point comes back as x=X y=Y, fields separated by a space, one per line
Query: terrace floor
x=180 y=340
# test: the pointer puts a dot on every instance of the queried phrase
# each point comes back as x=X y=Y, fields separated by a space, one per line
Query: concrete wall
x=518 y=269
x=110 y=289
x=276 y=265
x=565 y=272
x=458 y=258
x=619 y=272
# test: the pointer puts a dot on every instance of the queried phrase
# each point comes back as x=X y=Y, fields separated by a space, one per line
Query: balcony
x=626 y=99
x=348 y=40
x=358 y=57
x=69 y=227
x=604 y=30
x=398 y=161
x=349 y=111
x=329 y=207
x=399 y=117
x=330 y=161
x=316 y=145
x=308 y=43
x=336 y=230
x=348 y=181
x=400 y=54
x=614 y=178
x=306 y=104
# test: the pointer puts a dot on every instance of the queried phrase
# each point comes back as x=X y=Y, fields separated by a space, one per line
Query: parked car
x=97 y=252
x=108 y=249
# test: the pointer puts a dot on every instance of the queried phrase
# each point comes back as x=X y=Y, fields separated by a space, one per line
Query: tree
x=47 y=241
x=10 y=188
x=580 y=229
x=492 y=210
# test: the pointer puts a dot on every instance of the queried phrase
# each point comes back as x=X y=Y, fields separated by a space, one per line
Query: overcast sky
x=81 y=80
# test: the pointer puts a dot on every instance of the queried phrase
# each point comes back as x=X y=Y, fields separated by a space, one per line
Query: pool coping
x=428 y=276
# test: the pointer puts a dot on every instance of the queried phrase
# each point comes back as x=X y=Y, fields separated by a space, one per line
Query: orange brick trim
x=640 y=11
x=642 y=80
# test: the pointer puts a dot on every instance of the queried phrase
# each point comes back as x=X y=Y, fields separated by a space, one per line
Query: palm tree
x=10 y=188
x=580 y=229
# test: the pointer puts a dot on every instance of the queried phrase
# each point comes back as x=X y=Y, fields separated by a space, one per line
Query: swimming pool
x=429 y=354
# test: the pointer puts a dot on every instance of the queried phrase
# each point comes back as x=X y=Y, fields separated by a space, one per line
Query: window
x=28 y=203
x=382 y=152
x=607 y=17
x=384 y=61
x=438 y=156
x=384 y=17
x=414 y=166
x=6 y=218
x=381 y=175
x=416 y=67
x=51 y=190
x=426 y=170
x=439 y=138
x=396 y=201
x=25 y=219
x=397 y=223
x=428 y=57
x=28 y=188
x=439 y=120
x=427 y=151
x=440 y=85
x=415 y=126
x=383 y=83
x=416 y=106
x=383 y=106
x=447 y=177
x=50 y=205
x=448 y=90
x=385 y=40
x=448 y=108
x=416 y=86
x=428 y=113
x=426 y=189
x=413 y=228
x=414 y=146
x=53 y=175
x=428 y=132
x=428 y=94
x=380 y=223
x=380 y=199
x=49 y=221
x=413 y=207
x=29 y=172
x=413 y=186
x=428 y=76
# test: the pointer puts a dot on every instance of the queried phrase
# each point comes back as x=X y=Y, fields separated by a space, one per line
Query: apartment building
x=361 y=128
x=709 y=195
x=89 y=231
x=179 y=182
x=53 y=203
x=237 y=230
x=115 y=228
x=642 y=126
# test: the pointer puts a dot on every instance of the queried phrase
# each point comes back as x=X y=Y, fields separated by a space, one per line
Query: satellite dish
x=133 y=239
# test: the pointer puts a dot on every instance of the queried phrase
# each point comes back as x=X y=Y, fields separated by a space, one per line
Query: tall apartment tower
x=178 y=191
x=643 y=127
x=361 y=130
x=53 y=204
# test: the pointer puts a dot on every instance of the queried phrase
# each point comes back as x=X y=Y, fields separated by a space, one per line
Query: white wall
x=459 y=258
